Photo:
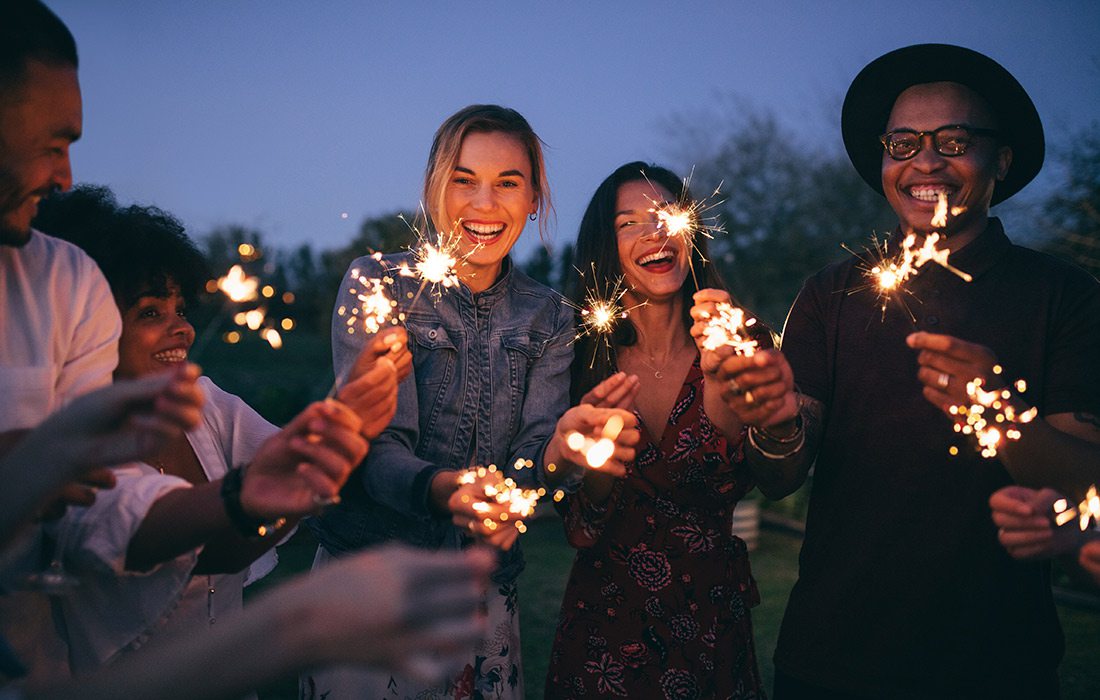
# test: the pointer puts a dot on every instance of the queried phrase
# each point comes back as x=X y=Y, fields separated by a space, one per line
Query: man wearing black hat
x=903 y=590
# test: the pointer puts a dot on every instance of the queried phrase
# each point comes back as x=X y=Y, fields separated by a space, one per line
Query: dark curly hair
x=597 y=259
x=139 y=249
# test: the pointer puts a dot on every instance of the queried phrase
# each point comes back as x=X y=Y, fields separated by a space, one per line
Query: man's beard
x=11 y=198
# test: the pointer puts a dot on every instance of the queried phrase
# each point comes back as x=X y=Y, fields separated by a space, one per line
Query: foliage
x=1072 y=214
x=786 y=206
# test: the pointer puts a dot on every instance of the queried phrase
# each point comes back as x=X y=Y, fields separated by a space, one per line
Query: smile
x=483 y=233
x=658 y=261
x=171 y=356
x=929 y=193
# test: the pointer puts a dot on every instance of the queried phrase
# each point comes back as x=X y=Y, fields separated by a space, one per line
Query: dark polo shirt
x=903 y=590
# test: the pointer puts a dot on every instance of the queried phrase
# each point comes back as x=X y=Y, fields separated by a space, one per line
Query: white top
x=59 y=330
x=115 y=611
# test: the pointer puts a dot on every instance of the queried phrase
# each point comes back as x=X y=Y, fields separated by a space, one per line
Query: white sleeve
x=93 y=353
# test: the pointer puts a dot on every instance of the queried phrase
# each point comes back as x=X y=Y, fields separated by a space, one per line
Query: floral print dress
x=657 y=604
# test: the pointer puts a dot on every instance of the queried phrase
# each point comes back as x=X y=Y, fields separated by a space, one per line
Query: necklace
x=658 y=370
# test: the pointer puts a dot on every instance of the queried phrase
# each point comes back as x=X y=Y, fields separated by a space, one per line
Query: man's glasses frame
x=945 y=146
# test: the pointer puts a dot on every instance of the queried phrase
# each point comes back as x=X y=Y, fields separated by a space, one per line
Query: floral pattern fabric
x=657 y=604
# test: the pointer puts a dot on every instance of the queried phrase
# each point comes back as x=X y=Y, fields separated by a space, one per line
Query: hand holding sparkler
x=755 y=383
x=595 y=438
x=1025 y=525
x=304 y=464
x=947 y=363
x=488 y=504
x=1089 y=559
x=371 y=391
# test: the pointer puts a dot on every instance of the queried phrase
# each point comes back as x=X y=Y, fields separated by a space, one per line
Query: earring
x=533 y=216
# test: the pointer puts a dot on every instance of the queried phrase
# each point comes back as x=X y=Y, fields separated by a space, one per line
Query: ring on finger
x=322 y=501
x=943 y=380
x=749 y=398
x=733 y=385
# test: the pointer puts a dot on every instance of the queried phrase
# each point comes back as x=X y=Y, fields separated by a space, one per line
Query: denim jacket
x=490 y=379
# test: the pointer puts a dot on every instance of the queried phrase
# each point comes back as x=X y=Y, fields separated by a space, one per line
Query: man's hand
x=1024 y=526
x=947 y=364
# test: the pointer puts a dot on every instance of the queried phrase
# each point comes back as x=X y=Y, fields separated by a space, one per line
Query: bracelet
x=799 y=442
x=244 y=523
x=793 y=437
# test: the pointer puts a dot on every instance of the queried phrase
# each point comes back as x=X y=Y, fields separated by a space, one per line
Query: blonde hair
x=447 y=145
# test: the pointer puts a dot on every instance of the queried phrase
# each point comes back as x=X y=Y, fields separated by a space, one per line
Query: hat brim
x=872 y=95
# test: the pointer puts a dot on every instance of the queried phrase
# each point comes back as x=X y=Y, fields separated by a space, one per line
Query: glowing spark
x=374 y=308
x=272 y=337
x=1086 y=513
x=238 y=286
x=599 y=451
x=601 y=311
x=729 y=328
x=939 y=218
x=497 y=488
x=990 y=417
x=889 y=273
x=686 y=219
x=434 y=264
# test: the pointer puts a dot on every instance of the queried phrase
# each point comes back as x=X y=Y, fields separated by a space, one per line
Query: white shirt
x=59 y=330
x=115 y=611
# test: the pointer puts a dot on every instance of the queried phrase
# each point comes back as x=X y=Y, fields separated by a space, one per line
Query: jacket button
x=432 y=333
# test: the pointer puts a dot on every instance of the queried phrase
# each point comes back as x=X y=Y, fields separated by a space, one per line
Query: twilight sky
x=284 y=115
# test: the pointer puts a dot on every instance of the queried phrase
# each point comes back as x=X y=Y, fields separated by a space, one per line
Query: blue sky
x=284 y=115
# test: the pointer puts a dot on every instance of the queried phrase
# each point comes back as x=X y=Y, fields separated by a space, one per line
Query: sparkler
x=502 y=490
x=240 y=288
x=729 y=327
x=990 y=417
x=597 y=452
x=1086 y=513
x=601 y=311
x=889 y=273
x=687 y=219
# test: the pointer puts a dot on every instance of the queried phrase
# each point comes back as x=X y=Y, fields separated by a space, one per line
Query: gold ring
x=943 y=380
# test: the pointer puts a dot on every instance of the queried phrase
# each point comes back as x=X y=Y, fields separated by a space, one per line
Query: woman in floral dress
x=658 y=600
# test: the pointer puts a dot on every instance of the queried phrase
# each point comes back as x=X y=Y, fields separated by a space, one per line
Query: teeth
x=928 y=193
x=653 y=257
x=484 y=229
x=171 y=356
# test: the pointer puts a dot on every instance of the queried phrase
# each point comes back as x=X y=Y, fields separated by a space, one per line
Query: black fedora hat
x=872 y=95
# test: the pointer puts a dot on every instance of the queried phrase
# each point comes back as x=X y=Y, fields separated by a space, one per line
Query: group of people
x=924 y=572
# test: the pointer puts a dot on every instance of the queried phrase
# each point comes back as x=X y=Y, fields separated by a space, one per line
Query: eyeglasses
x=951 y=140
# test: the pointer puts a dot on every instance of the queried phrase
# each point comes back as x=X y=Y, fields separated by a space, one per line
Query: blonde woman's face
x=487 y=200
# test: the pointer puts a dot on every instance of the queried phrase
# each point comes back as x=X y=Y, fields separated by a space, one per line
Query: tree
x=1073 y=213
x=786 y=206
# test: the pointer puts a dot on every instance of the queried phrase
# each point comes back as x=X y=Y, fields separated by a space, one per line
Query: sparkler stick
x=990 y=417
x=502 y=490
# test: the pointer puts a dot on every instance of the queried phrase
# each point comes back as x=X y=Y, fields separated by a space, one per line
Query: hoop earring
x=532 y=216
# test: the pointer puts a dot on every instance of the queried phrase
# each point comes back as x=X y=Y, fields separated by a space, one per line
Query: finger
x=950 y=346
x=100 y=477
x=1011 y=501
x=77 y=495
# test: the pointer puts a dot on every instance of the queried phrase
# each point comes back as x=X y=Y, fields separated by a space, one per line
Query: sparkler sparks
x=1086 y=513
x=504 y=491
x=729 y=327
x=238 y=285
x=687 y=218
x=601 y=311
x=991 y=418
x=375 y=309
x=599 y=451
x=889 y=273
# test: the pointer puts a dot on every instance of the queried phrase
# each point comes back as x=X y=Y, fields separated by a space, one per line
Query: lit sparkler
x=1086 y=513
x=729 y=327
x=991 y=418
x=241 y=288
x=374 y=309
x=686 y=219
x=601 y=311
x=889 y=274
x=502 y=490
x=597 y=452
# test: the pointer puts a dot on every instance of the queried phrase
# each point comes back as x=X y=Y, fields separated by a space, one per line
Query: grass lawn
x=774 y=564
